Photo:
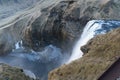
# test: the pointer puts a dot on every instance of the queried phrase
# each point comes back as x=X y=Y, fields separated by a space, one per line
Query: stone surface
x=62 y=24
x=103 y=51
x=59 y=23
x=12 y=73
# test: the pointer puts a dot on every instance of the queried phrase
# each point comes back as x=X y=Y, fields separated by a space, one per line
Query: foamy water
x=35 y=64
x=93 y=28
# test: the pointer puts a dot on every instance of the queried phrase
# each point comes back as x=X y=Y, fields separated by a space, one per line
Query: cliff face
x=58 y=26
x=65 y=21
x=101 y=52
x=59 y=23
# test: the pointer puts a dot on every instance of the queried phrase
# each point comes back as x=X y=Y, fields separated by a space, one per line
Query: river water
x=39 y=64
x=92 y=29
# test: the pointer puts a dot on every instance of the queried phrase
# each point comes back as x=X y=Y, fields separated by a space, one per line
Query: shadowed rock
x=59 y=23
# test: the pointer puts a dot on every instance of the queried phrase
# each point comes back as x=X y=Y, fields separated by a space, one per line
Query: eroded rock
x=62 y=24
x=59 y=23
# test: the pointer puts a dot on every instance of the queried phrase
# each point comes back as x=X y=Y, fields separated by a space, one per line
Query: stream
x=35 y=64
x=38 y=64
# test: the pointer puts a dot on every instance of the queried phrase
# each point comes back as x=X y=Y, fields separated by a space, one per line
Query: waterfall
x=93 y=28
x=18 y=45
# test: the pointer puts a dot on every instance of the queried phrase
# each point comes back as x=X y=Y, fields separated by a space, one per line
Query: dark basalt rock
x=60 y=25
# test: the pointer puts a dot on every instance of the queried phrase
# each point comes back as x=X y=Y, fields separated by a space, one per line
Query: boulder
x=12 y=73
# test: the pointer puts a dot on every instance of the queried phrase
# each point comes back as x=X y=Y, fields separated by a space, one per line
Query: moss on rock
x=103 y=51
x=12 y=73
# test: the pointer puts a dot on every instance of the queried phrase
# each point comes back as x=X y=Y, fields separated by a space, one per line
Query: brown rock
x=12 y=73
x=103 y=51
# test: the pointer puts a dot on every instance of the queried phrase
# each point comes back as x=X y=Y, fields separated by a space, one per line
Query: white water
x=18 y=45
x=34 y=64
x=30 y=74
x=89 y=32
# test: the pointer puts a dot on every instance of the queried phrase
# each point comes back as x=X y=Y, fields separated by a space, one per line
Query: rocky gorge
x=102 y=51
x=47 y=29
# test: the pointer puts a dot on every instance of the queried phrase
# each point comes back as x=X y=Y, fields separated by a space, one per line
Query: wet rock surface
x=58 y=26
x=59 y=23
x=55 y=22
x=62 y=24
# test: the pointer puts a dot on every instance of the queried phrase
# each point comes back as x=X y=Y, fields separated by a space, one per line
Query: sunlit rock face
x=92 y=29
x=103 y=51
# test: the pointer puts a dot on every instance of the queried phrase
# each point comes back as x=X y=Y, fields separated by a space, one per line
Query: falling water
x=92 y=29
x=38 y=64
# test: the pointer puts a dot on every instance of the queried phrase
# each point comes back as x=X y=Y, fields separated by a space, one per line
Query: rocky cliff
x=59 y=23
x=101 y=52
x=65 y=21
